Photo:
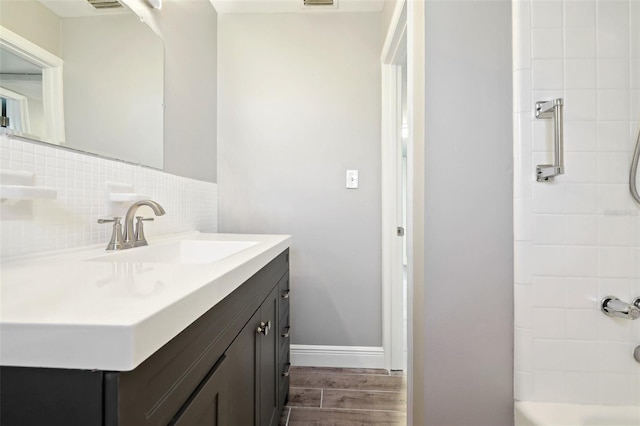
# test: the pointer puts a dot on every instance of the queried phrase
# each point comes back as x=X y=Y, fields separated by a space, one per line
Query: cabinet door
x=267 y=384
x=242 y=359
x=208 y=405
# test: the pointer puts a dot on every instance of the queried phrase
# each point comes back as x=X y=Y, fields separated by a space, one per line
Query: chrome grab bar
x=547 y=110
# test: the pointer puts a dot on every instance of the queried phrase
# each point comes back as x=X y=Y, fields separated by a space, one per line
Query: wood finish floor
x=320 y=396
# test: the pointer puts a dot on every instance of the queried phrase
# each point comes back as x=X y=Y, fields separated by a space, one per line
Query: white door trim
x=51 y=80
x=393 y=54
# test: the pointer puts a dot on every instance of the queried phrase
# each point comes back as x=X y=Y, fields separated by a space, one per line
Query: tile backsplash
x=70 y=221
x=578 y=237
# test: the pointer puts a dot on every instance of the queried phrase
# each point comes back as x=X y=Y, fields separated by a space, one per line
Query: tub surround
x=577 y=239
x=69 y=311
x=551 y=414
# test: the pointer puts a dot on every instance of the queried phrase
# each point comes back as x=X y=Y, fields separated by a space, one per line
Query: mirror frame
x=52 y=98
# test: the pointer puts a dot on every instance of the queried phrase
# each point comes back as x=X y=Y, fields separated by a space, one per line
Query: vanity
x=191 y=330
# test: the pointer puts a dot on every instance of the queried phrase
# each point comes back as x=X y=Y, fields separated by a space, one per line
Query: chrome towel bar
x=547 y=110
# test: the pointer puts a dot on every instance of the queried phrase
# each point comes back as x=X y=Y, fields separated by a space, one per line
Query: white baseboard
x=337 y=356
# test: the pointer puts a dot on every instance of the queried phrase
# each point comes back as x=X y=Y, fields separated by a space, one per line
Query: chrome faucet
x=136 y=238
x=130 y=238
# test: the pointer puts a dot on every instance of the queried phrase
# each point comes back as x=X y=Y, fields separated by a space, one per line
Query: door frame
x=394 y=53
x=52 y=80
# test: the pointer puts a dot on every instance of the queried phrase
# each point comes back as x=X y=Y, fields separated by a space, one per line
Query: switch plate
x=352 y=179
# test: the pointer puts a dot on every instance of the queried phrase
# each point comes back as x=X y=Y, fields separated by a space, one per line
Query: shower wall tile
x=70 y=221
x=578 y=238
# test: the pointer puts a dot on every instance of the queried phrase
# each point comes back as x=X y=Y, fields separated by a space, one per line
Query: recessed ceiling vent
x=318 y=2
x=105 y=4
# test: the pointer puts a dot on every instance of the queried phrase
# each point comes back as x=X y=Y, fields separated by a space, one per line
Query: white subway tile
x=614 y=136
x=546 y=44
x=580 y=105
x=613 y=42
x=548 y=292
x=548 y=324
x=580 y=136
x=581 y=198
x=615 y=199
x=581 y=261
x=613 y=105
x=613 y=74
x=582 y=387
x=613 y=13
x=580 y=13
x=522 y=227
x=523 y=348
x=548 y=197
x=613 y=167
x=523 y=310
x=614 y=357
x=580 y=43
x=580 y=74
x=581 y=167
x=549 y=229
x=549 y=260
x=70 y=220
x=582 y=230
x=546 y=74
x=522 y=91
x=581 y=292
x=549 y=354
x=523 y=385
x=523 y=262
x=549 y=386
x=616 y=389
x=615 y=262
x=546 y=14
x=581 y=324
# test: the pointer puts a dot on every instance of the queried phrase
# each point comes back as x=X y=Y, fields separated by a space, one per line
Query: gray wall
x=468 y=260
x=299 y=104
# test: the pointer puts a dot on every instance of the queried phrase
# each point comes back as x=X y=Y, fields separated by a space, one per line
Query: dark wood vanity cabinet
x=230 y=367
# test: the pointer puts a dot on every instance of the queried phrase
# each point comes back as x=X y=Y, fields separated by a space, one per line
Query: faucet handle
x=139 y=237
x=115 y=219
x=116 y=242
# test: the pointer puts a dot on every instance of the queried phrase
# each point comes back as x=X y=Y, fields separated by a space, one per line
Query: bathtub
x=557 y=414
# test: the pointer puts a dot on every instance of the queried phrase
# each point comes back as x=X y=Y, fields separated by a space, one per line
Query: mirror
x=101 y=93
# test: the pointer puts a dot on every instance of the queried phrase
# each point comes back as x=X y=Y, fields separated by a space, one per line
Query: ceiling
x=77 y=8
x=294 y=6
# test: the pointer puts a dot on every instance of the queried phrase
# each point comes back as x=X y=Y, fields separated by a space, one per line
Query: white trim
x=51 y=65
x=23 y=105
x=337 y=356
x=393 y=54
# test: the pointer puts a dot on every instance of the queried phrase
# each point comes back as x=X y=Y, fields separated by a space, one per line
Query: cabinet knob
x=263 y=328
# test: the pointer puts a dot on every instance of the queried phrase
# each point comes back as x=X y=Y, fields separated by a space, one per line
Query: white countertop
x=64 y=311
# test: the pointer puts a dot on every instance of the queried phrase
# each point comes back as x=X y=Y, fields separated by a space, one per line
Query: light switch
x=352 y=179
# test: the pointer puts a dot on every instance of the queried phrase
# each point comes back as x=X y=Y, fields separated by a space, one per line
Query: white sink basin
x=183 y=252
